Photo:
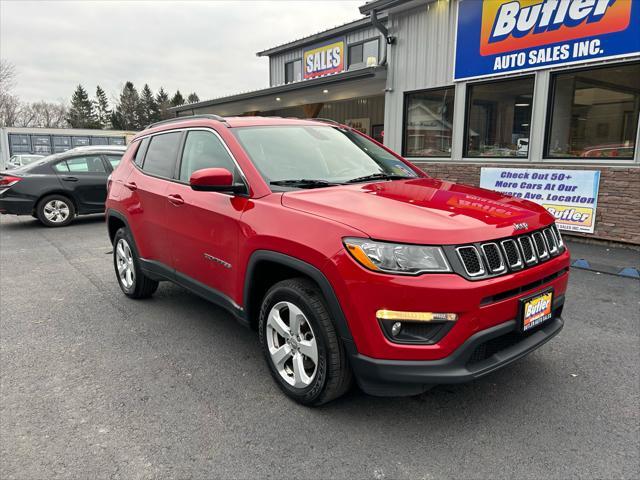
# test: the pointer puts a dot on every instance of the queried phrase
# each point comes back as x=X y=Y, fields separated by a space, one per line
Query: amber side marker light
x=359 y=255
x=416 y=316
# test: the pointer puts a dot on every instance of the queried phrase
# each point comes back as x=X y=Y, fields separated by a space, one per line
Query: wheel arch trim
x=115 y=214
x=308 y=270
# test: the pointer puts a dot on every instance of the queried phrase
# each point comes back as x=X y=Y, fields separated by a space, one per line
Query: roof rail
x=209 y=116
x=327 y=120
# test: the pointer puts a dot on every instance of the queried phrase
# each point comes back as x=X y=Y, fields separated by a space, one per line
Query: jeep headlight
x=396 y=257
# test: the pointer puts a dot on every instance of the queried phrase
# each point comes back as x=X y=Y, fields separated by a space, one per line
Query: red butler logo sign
x=499 y=36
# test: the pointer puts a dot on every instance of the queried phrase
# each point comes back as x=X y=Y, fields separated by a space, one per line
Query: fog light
x=416 y=316
x=395 y=329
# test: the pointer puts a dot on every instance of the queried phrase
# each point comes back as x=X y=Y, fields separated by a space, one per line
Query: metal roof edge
x=338 y=77
x=331 y=32
x=384 y=5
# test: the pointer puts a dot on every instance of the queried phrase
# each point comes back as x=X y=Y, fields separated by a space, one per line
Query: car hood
x=424 y=211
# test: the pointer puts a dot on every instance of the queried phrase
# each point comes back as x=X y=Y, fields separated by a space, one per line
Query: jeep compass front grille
x=512 y=254
x=541 y=247
x=493 y=257
x=487 y=259
x=551 y=240
x=471 y=261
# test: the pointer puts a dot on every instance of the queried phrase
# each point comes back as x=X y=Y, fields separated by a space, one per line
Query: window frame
x=362 y=64
x=176 y=172
x=144 y=160
x=467 y=109
x=181 y=157
x=71 y=157
x=613 y=161
x=405 y=104
x=291 y=62
x=105 y=158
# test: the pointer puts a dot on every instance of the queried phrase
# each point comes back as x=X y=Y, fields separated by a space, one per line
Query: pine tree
x=127 y=113
x=81 y=113
x=148 y=107
x=177 y=99
x=163 y=104
x=103 y=113
x=193 y=98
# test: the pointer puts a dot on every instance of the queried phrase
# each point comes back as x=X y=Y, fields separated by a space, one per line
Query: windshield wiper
x=304 y=183
x=378 y=176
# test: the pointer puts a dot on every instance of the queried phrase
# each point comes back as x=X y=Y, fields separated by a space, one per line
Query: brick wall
x=618 y=212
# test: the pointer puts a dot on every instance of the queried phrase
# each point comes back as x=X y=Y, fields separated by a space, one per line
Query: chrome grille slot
x=471 y=261
x=512 y=254
x=541 y=246
x=551 y=241
x=527 y=250
x=493 y=257
x=556 y=232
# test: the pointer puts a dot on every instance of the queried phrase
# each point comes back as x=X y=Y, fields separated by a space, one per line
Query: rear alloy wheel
x=124 y=264
x=132 y=280
x=55 y=211
x=303 y=351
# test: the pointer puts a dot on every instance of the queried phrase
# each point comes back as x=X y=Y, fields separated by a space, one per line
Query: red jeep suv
x=350 y=261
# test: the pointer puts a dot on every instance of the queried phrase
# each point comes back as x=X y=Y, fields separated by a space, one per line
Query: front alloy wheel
x=303 y=351
x=292 y=344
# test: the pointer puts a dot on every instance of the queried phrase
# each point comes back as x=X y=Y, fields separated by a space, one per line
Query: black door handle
x=70 y=179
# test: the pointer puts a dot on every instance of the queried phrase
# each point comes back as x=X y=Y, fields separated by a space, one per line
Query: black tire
x=332 y=375
x=141 y=285
x=67 y=205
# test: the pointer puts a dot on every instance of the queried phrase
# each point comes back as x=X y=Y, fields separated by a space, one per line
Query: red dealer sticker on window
x=510 y=25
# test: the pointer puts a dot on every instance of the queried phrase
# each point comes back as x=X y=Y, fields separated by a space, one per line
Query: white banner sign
x=571 y=196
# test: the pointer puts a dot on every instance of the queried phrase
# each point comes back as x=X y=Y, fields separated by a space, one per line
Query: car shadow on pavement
x=228 y=340
x=21 y=223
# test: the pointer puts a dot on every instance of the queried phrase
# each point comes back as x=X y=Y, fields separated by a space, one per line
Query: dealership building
x=539 y=99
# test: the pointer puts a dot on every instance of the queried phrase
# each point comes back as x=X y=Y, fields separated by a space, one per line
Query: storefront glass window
x=595 y=113
x=293 y=71
x=363 y=54
x=428 y=123
x=498 y=118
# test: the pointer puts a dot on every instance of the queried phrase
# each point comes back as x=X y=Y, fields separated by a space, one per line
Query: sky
x=207 y=47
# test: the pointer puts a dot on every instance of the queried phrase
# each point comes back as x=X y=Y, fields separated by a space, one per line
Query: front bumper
x=482 y=353
x=480 y=305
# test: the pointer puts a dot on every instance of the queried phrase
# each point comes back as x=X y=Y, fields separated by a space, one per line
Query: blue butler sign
x=500 y=36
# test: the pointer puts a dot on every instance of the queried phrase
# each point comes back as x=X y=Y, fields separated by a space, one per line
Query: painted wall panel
x=421 y=58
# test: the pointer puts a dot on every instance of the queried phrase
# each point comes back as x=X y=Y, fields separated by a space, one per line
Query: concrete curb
x=629 y=272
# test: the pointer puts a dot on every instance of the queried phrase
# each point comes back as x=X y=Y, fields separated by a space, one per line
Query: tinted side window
x=61 y=166
x=204 y=150
x=162 y=154
x=88 y=164
x=114 y=160
x=142 y=149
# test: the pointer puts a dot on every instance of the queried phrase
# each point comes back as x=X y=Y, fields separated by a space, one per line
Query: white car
x=18 y=161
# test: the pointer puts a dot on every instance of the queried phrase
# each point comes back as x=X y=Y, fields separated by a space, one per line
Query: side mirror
x=215 y=180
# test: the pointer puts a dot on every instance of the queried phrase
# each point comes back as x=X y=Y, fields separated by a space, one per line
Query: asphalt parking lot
x=94 y=385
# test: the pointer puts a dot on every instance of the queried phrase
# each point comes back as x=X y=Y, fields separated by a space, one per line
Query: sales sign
x=571 y=196
x=500 y=36
x=323 y=59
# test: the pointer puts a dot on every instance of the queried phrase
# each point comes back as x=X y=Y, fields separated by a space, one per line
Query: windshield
x=317 y=153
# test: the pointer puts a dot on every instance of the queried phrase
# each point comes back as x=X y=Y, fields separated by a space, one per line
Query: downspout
x=388 y=40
